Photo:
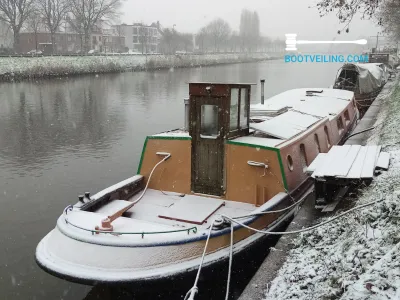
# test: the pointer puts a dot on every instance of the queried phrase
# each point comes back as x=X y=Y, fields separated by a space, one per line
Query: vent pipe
x=187 y=113
x=262 y=90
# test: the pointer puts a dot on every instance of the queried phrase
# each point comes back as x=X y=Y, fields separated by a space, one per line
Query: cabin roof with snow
x=287 y=114
x=294 y=111
x=313 y=101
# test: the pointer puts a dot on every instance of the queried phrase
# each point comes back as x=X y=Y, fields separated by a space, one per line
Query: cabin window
x=340 y=125
x=303 y=157
x=347 y=117
x=328 y=140
x=209 y=120
x=239 y=110
x=317 y=143
x=290 y=163
x=244 y=115
x=234 y=109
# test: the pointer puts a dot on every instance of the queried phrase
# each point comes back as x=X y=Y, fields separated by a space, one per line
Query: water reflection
x=44 y=118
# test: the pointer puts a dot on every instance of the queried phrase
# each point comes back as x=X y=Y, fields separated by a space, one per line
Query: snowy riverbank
x=358 y=256
x=15 y=68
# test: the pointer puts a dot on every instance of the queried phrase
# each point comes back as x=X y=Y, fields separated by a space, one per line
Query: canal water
x=62 y=137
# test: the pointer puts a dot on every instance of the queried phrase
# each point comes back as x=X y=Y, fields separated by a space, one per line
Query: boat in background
x=365 y=80
x=390 y=59
x=197 y=185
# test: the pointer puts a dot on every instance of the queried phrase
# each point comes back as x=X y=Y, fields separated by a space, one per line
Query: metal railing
x=142 y=233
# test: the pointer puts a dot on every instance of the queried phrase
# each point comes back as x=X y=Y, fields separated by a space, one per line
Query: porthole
x=290 y=163
x=347 y=117
x=328 y=140
x=303 y=157
x=340 y=125
x=317 y=143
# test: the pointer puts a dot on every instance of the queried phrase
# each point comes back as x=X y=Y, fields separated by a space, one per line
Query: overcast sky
x=277 y=17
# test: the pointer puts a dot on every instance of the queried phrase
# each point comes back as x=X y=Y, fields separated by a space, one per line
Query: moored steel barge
x=247 y=162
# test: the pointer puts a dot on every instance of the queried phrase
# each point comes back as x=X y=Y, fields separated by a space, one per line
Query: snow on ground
x=358 y=256
x=25 y=67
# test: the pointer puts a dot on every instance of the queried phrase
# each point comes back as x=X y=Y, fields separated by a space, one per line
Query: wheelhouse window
x=209 y=120
x=244 y=114
x=239 y=110
x=234 y=116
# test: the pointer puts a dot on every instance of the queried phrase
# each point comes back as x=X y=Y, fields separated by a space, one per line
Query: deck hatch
x=192 y=209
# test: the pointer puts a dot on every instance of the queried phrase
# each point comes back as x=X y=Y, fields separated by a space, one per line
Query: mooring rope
x=230 y=265
x=194 y=290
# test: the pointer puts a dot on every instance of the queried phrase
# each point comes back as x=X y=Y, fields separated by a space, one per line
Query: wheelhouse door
x=208 y=146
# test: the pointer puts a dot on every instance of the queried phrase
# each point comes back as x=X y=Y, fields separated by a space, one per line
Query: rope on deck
x=194 y=290
x=143 y=233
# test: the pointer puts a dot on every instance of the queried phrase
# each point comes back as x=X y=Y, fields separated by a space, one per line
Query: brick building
x=71 y=42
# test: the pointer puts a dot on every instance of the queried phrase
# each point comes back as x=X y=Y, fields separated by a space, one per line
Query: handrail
x=93 y=231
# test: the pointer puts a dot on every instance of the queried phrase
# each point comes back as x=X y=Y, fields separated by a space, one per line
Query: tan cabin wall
x=296 y=176
x=245 y=183
x=173 y=175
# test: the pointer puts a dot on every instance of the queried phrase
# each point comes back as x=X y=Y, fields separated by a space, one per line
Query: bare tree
x=185 y=42
x=389 y=17
x=77 y=27
x=249 y=30
x=255 y=32
x=346 y=9
x=234 y=41
x=220 y=31
x=34 y=23
x=15 y=13
x=144 y=37
x=201 y=37
x=53 y=12
x=169 y=41
x=87 y=13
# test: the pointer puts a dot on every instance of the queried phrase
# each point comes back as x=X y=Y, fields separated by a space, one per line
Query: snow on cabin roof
x=328 y=103
x=174 y=133
x=258 y=141
x=286 y=125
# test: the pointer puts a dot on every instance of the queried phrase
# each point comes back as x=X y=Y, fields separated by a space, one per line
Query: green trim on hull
x=162 y=137
x=152 y=137
x=142 y=156
x=278 y=153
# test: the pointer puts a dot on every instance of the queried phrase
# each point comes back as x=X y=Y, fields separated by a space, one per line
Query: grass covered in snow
x=12 y=68
x=358 y=256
